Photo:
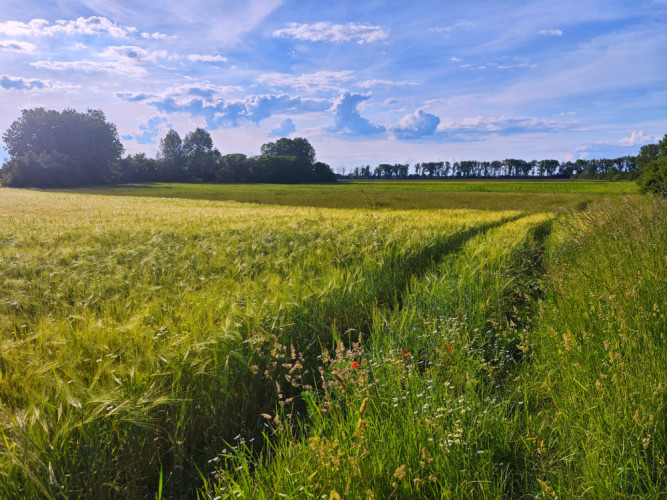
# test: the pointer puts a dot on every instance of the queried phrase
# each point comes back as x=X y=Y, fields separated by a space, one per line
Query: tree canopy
x=652 y=161
x=299 y=148
x=68 y=147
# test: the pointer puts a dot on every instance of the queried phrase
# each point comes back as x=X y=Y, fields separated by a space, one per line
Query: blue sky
x=364 y=81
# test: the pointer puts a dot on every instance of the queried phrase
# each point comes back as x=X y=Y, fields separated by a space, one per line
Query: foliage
x=73 y=148
x=298 y=147
x=653 y=161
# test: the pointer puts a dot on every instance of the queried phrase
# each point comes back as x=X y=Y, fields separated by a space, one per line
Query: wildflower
x=449 y=348
x=355 y=364
x=405 y=352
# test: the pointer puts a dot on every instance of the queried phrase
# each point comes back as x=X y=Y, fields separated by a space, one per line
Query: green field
x=482 y=195
x=362 y=340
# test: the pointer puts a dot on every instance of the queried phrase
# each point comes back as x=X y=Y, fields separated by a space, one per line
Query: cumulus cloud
x=93 y=25
x=329 y=32
x=285 y=128
x=16 y=46
x=219 y=112
x=310 y=82
x=551 y=32
x=206 y=58
x=148 y=131
x=347 y=117
x=635 y=138
x=416 y=125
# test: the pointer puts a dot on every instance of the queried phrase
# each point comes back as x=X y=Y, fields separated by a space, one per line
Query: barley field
x=434 y=344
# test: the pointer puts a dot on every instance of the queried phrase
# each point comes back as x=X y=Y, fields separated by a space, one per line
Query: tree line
x=67 y=149
x=623 y=168
x=48 y=148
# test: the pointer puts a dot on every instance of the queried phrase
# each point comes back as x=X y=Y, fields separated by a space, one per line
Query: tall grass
x=414 y=410
x=597 y=385
x=180 y=347
x=130 y=326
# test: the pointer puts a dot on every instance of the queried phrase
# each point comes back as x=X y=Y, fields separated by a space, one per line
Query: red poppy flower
x=449 y=348
x=355 y=364
x=405 y=352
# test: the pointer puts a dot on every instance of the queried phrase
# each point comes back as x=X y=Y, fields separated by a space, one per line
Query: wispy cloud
x=329 y=32
x=126 y=69
x=310 y=82
x=503 y=125
x=447 y=29
x=134 y=53
x=551 y=32
x=367 y=84
x=206 y=58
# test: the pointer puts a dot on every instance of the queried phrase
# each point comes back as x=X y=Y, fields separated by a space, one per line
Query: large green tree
x=299 y=147
x=83 y=147
x=201 y=157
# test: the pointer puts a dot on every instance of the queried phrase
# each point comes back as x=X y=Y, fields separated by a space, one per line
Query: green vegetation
x=209 y=348
x=370 y=195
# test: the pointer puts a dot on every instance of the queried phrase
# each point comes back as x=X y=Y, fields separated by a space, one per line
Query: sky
x=366 y=82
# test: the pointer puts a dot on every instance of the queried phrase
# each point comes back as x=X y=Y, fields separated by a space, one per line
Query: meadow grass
x=527 y=195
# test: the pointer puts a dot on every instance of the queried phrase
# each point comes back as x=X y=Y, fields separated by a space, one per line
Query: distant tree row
x=66 y=149
x=624 y=168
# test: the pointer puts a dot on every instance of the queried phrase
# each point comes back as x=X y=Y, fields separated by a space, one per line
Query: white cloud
x=329 y=32
x=503 y=124
x=16 y=46
x=206 y=58
x=133 y=53
x=375 y=83
x=20 y=83
x=447 y=29
x=635 y=138
x=310 y=82
x=94 y=25
x=131 y=70
x=154 y=36
x=551 y=32
x=16 y=28
x=416 y=125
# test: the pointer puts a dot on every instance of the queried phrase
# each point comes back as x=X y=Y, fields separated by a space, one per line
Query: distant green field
x=486 y=195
